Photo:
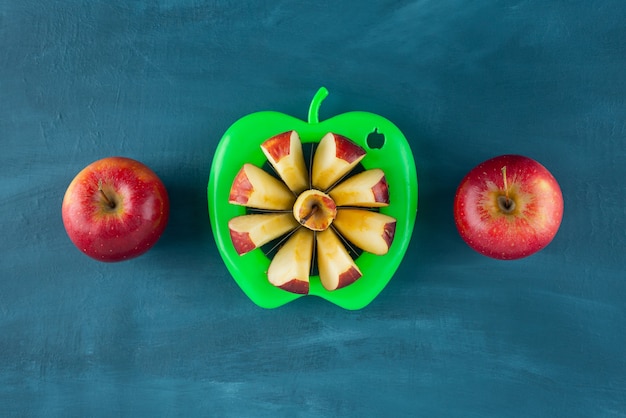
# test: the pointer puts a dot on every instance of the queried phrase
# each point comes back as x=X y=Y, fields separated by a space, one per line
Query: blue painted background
x=454 y=333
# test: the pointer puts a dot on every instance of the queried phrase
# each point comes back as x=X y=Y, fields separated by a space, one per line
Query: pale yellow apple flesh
x=291 y=266
x=368 y=189
x=255 y=188
x=370 y=231
x=336 y=268
x=284 y=152
x=335 y=157
x=248 y=232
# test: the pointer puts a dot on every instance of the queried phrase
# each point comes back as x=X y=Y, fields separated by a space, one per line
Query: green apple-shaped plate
x=385 y=148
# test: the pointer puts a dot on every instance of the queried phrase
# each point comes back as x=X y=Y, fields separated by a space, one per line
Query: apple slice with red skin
x=368 y=189
x=255 y=188
x=291 y=266
x=508 y=207
x=336 y=268
x=335 y=156
x=370 y=231
x=284 y=152
x=248 y=232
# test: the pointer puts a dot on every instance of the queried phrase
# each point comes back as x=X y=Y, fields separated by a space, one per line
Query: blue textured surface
x=453 y=334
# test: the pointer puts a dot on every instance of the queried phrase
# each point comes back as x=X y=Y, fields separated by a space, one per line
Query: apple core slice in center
x=315 y=210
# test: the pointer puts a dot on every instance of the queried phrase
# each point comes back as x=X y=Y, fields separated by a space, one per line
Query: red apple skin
x=347 y=150
x=122 y=232
x=241 y=189
x=279 y=146
x=348 y=277
x=296 y=286
x=389 y=233
x=242 y=242
x=381 y=191
x=505 y=234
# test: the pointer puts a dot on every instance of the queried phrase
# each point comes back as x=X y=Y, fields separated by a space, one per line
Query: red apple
x=508 y=207
x=115 y=209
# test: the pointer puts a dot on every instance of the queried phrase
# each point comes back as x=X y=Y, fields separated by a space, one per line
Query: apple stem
x=104 y=195
x=506 y=185
x=506 y=204
x=308 y=216
x=316 y=102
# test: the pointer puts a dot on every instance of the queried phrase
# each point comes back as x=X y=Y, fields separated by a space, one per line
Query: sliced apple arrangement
x=336 y=208
x=317 y=212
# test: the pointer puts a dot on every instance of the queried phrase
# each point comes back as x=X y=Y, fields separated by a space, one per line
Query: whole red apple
x=115 y=209
x=508 y=207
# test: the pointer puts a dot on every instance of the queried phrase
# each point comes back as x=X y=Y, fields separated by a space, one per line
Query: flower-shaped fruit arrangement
x=312 y=208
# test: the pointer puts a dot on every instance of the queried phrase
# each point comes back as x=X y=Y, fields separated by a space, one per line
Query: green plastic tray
x=241 y=144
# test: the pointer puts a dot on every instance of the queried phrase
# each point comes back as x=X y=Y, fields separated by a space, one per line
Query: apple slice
x=291 y=265
x=370 y=231
x=368 y=188
x=336 y=268
x=248 y=232
x=284 y=152
x=256 y=188
x=334 y=157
